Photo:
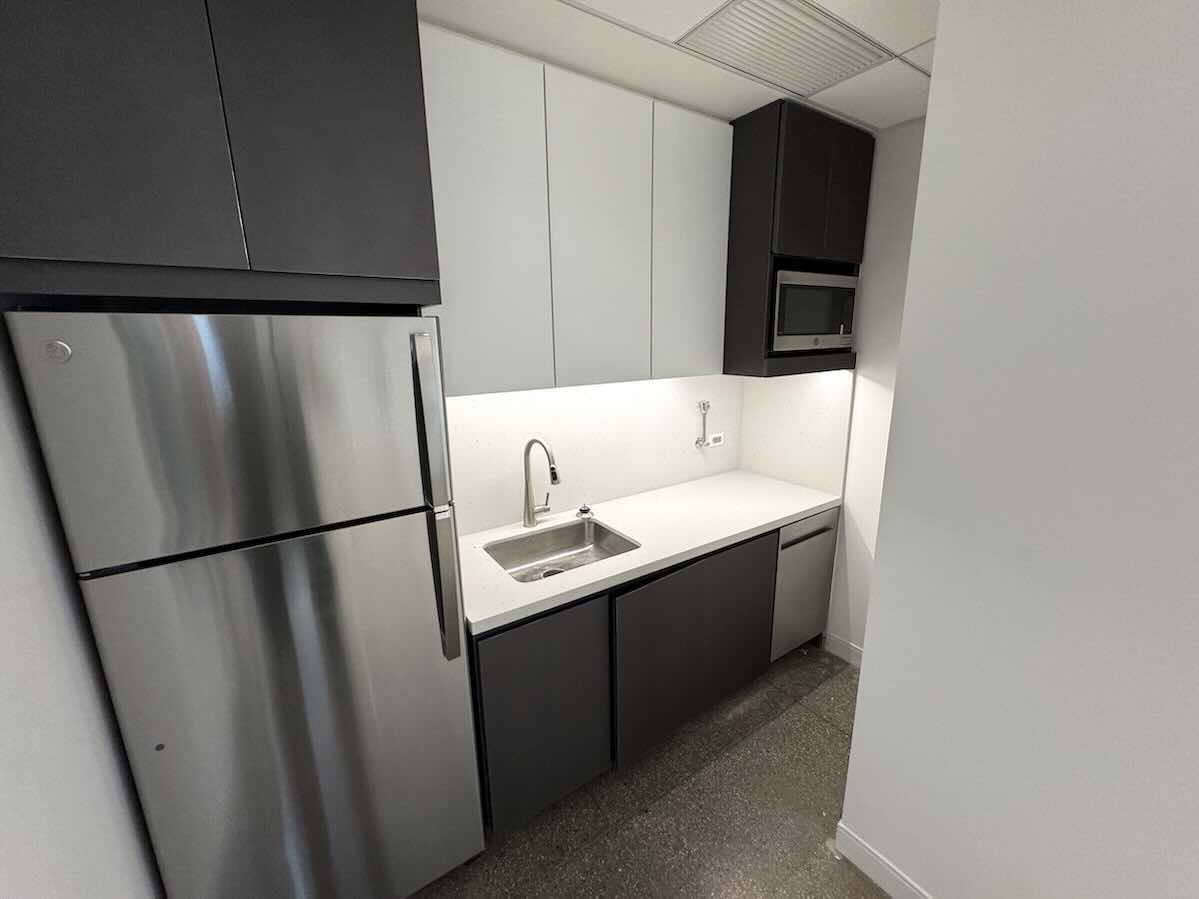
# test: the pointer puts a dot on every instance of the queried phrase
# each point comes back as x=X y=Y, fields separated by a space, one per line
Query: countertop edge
x=484 y=626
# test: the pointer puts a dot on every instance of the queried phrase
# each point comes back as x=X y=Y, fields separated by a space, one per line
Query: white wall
x=68 y=824
x=796 y=428
x=877 y=316
x=1027 y=721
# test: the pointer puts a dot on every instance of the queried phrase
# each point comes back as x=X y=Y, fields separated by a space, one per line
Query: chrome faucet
x=530 y=509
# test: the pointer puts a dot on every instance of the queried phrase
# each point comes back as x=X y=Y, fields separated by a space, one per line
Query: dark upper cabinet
x=112 y=145
x=326 y=116
x=546 y=710
x=804 y=148
x=284 y=136
x=800 y=188
x=850 y=167
x=822 y=186
x=689 y=638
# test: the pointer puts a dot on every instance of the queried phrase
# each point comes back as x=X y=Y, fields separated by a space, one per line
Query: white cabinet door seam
x=653 y=138
x=549 y=230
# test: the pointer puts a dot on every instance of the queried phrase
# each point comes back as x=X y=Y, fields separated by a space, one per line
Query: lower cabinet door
x=689 y=638
x=546 y=709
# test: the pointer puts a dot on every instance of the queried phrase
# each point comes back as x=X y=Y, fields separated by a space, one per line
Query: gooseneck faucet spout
x=531 y=509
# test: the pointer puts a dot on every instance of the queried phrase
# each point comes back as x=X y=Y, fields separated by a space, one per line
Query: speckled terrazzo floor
x=740 y=803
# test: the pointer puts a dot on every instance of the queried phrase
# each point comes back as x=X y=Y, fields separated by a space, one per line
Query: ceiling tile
x=897 y=24
x=790 y=43
x=886 y=95
x=573 y=39
x=669 y=19
x=922 y=56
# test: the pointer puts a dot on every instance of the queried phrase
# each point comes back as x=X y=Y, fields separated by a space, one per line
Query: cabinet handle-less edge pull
x=804 y=538
x=447 y=591
x=435 y=448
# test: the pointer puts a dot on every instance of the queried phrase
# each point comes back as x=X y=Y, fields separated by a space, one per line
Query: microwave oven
x=813 y=311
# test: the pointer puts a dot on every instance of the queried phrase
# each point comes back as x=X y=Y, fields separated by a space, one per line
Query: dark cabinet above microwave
x=800 y=188
x=822 y=186
x=188 y=140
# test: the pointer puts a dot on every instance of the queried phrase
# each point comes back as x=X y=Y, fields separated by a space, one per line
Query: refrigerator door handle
x=447 y=589
x=435 y=448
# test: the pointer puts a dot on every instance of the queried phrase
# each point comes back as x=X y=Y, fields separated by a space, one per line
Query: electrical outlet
x=716 y=439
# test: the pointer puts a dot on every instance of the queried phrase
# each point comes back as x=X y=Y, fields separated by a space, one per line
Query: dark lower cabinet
x=546 y=708
x=689 y=638
x=112 y=145
x=326 y=114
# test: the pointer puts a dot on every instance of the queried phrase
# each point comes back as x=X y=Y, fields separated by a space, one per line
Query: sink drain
x=550 y=572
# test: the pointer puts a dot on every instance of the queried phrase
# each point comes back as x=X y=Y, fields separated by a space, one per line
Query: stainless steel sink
x=549 y=551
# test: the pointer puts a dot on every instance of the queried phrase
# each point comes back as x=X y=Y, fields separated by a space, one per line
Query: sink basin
x=545 y=552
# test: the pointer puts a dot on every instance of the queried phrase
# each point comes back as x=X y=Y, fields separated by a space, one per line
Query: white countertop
x=672 y=524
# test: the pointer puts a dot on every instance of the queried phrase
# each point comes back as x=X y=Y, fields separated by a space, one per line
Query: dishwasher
x=804 y=581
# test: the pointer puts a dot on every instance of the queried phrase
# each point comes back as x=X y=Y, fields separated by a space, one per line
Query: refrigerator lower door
x=294 y=724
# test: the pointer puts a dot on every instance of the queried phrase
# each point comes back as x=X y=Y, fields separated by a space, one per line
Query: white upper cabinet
x=582 y=229
x=486 y=121
x=600 y=147
x=692 y=164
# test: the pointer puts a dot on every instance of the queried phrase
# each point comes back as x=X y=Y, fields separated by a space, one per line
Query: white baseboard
x=877 y=866
x=842 y=648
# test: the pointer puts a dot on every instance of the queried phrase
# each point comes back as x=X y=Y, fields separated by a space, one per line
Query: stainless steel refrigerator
x=259 y=512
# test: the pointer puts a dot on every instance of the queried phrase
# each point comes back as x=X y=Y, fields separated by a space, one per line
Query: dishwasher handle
x=805 y=538
x=807 y=528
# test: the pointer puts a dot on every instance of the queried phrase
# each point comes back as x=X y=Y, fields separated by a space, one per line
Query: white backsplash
x=797 y=428
x=609 y=440
x=613 y=440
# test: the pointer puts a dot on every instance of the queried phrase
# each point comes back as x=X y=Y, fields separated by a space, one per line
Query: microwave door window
x=812 y=310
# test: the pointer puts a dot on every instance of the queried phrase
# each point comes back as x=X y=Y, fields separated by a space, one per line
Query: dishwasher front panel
x=804 y=581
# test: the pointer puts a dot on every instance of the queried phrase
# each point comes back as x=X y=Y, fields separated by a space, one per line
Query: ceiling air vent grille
x=789 y=43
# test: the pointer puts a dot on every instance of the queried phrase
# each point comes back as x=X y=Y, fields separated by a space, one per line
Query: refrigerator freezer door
x=166 y=434
x=294 y=727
